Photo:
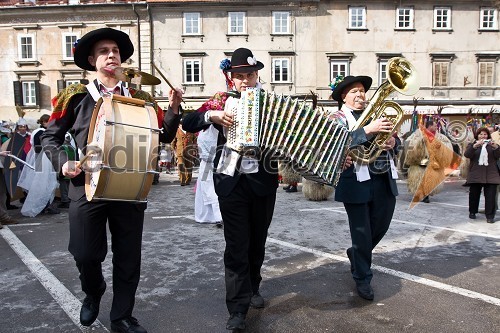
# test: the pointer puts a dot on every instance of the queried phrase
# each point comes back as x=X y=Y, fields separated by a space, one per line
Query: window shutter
x=436 y=75
x=18 y=93
x=37 y=93
x=444 y=81
x=60 y=85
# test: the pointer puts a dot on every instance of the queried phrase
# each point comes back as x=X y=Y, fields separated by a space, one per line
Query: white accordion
x=314 y=143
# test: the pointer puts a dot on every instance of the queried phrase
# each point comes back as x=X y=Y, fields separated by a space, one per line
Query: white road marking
x=191 y=217
x=402 y=275
x=467 y=232
x=68 y=302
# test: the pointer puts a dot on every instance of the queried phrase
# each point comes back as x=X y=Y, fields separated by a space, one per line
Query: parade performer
x=41 y=183
x=206 y=203
x=102 y=50
x=429 y=154
x=184 y=145
x=367 y=191
x=246 y=189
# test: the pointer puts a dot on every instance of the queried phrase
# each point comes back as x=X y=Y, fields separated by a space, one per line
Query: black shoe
x=11 y=207
x=365 y=291
x=472 y=216
x=349 y=255
x=155 y=182
x=257 y=301
x=90 y=309
x=51 y=210
x=127 y=325
x=286 y=187
x=426 y=199
x=236 y=321
x=291 y=189
x=63 y=205
x=490 y=221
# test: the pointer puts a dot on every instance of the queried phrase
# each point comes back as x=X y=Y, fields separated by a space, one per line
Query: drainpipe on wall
x=151 y=45
x=138 y=34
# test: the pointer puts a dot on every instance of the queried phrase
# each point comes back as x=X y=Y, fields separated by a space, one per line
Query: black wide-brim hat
x=366 y=81
x=243 y=61
x=83 y=47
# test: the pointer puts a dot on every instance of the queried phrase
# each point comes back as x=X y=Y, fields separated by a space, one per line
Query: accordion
x=311 y=141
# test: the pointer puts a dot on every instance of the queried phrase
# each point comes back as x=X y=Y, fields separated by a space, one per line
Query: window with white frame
x=236 y=23
x=338 y=67
x=486 y=73
x=442 y=18
x=440 y=73
x=70 y=82
x=404 y=18
x=382 y=71
x=281 y=70
x=192 y=71
x=489 y=19
x=357 y=17
x=29 y=93
x=192 y=23
x=26 y=47
x=281 y=23
x=68 y=40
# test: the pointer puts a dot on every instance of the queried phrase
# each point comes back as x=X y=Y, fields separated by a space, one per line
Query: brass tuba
x=401 y=77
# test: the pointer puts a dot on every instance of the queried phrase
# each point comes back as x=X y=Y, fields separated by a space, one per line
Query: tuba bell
x=402 y=77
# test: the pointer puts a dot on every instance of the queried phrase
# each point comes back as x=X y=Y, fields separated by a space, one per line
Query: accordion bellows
x=314 y=143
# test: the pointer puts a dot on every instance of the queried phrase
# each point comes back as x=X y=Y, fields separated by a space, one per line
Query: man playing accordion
x=246 y=189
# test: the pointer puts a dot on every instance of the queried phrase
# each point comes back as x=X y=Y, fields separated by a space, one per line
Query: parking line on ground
x=191 y=217
x=467 y=232
x=68 y=302
x=402 y=275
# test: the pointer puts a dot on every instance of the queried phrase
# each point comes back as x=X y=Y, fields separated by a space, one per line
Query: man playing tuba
x=368 y=190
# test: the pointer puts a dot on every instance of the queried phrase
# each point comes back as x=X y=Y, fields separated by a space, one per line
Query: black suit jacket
x=349 y=190
x=263 y=182
x=77 y=118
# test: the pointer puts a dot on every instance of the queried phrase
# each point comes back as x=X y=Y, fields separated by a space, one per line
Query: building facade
x=304 y=45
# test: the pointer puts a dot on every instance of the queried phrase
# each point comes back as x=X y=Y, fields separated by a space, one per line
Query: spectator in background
x=483 y=173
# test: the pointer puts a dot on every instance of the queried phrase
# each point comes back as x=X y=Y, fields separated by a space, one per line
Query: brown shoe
x=6 y=220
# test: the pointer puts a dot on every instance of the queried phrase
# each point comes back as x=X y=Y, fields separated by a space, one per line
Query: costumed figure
x=246 y=188
x=184 y=145
x=315 y=191
x=429 y=153
x=289 y=176
x=102 y=50
x=41 y=183
x=206 y=203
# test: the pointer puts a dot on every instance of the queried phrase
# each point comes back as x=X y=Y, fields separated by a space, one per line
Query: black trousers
x=368 y=223
x=490 y=192
x=88 y=245
x=246 y=218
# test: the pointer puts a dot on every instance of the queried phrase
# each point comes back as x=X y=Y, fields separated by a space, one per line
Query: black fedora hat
x=83 y=46
x=243 y=61
x=366 y=81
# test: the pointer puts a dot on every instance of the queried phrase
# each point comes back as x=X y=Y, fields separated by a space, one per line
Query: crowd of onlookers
x=26 y=175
